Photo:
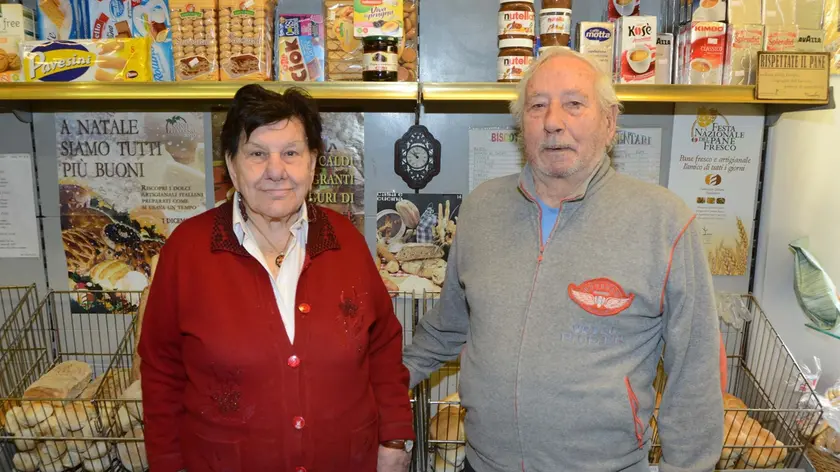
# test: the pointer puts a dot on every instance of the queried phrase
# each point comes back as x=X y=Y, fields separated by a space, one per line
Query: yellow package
x=10 y=66
x=87 y=60
x=344 y=50
x=246 y=39
x=831 y=24
x=378 y=18
x=195 y=45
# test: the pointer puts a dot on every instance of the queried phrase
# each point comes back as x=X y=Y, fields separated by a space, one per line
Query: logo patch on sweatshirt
x=600 y=297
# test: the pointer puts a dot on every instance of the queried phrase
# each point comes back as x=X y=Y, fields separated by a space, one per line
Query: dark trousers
x=467 y=467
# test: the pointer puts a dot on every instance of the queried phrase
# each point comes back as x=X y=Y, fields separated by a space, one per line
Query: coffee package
x=621 y=8
x=742 y=45
x=810 y=40
x=635 y=51
x=743 y=12
x=664 y=58
x=706 y=10
x=706 y=52
x=780 y=38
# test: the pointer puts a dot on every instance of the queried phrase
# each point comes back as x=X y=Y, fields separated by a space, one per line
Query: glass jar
x=555 y=22
x=516 y=19
x=380 y=59
x=515 y=55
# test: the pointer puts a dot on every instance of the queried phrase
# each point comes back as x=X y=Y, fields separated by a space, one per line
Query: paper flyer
x=126 y=180
x=638 y=153
x=413 y=235
x=715 y=159
x=340 y=183
x=18 y=214
x=494 y=152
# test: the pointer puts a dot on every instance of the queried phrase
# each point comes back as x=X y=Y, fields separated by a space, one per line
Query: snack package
x=63 y=19
x=87 y=60
x=17 y=21
x=344 y=50
x=299 y=48
x=10 y=64
x=109 y=19
x=195 y=47
x=378 y=18
x=743 y=42
x=246 y=36
x=150 y=18
x=409 y=49
x=831 y=26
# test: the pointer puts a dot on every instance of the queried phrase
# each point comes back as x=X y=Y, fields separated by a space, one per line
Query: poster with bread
x=340 y=180
x=126 y=180
x=413 y=235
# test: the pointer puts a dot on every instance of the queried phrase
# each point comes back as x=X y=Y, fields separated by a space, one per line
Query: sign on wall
x=126 y=180
x=715 y=158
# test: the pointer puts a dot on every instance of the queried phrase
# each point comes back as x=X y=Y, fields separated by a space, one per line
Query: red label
x=600 y=297
x=710 y=49
x=99 y=25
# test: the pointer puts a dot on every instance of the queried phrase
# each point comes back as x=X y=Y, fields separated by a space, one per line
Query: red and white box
x=622 y=8
x=706 y=53
x=780 y=38
x=742 y=45
x=635 y=50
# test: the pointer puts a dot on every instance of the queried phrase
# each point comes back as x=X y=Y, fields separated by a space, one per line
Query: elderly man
x=563 y=285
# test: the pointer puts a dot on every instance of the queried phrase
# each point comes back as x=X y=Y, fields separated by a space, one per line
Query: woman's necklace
x=280 y=254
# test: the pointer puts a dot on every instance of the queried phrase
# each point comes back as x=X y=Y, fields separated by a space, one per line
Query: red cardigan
x=224 y=390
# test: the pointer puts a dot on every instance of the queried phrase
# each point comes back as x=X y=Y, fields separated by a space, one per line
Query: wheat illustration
x=726 y=260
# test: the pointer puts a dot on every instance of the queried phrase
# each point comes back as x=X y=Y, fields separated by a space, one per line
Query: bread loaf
x=423 y=267
x=448 y=425
x=417 y=251
x=66 y=380
x=133 y=395
x=26 y=461
x=132 y=454
x=772 y=453
x=454 y=457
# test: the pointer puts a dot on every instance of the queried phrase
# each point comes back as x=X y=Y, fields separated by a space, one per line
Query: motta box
x=597 y=41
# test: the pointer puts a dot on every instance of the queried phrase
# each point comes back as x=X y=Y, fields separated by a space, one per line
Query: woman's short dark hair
x=254 y=106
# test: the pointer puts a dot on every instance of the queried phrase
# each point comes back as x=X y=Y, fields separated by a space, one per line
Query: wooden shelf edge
x=179 y=91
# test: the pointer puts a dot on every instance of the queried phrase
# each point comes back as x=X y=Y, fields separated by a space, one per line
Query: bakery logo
x=713 y=131
x=598 y=34
x=639 y=30
x=626 y=137
x=810 y=39
x=178 y=125
x=713 y=179
x=600 y=297
x=663 y=41
x=709 y=28
x=59 y=61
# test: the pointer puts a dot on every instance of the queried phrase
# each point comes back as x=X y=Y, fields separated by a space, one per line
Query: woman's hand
x=392 y=460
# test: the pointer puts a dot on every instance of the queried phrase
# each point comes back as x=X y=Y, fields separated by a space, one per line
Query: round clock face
x=417 y=157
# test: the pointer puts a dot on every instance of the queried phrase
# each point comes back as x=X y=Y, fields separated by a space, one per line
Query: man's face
x=564 y=127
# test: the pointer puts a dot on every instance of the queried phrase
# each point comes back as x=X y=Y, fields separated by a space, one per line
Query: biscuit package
x=10 y=66
x=87 y=60
x=299 y=50
x=344 y=50
x=246 y=39
x=150 y=18
x=378 y=18
x=195 y=47
x=63 y=19
x=408 y=44
x=109 y=19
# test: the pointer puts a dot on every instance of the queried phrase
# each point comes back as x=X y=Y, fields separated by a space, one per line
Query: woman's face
x=274 y=169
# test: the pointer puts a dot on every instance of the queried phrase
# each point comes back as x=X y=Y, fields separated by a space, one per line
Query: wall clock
x=417 y=157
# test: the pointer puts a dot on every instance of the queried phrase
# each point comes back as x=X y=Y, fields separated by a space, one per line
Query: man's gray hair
x=603 y=82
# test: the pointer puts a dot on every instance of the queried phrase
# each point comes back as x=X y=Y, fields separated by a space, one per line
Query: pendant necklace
x=281 y=254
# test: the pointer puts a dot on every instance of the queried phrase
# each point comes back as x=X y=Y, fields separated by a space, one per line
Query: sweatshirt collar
x=591 y=184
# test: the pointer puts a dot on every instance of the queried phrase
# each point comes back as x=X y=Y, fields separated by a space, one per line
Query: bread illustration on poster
x=413 y=235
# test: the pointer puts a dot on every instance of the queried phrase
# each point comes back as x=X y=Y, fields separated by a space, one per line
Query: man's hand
x=392 y=460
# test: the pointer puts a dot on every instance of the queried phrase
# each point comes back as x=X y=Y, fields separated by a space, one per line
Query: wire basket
x=16 y=306
x=65 y=430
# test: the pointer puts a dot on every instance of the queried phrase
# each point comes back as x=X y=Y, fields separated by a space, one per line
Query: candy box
x=299 y=48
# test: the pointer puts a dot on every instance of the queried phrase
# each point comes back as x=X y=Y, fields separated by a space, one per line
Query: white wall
x=801 y=198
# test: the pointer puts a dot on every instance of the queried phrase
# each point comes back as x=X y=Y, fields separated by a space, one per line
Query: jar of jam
x=555 y=22
x=515 y=55
x=380 y=59
x=516 y=19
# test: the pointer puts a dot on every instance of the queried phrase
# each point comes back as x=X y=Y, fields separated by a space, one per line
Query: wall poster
x=638 y=152
x=340 y=183
x=413 y=235
x=494 y=152
x=18 y=213
x=715 y=158
x=126 y=180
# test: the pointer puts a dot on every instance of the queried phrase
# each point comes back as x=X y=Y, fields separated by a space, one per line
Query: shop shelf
x=179 y=91
x=503 y=92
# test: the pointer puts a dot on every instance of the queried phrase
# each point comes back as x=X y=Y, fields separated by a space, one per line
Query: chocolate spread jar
x=516 y=19
x=515 y=55
x=555 y=22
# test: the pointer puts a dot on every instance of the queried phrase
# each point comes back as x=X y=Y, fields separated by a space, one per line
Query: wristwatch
x=404 y=444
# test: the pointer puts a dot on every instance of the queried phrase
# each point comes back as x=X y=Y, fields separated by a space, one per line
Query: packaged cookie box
x=109 y=19
x=150 y=18
x=299 y=48
x=10 y=64
x=409 y=47
x=63 y=19
x=195 y=45
x=344 y=50
x=246 y=38
x=87 y=60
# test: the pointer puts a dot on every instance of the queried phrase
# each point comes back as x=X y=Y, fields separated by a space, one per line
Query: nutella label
x=380 y=62
x=513 y=67
x=520 y=22
x=555 y=21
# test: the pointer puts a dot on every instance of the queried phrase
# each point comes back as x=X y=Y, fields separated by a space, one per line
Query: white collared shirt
x=285 y=285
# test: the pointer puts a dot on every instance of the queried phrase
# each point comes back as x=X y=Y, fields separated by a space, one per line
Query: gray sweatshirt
x=562 y=340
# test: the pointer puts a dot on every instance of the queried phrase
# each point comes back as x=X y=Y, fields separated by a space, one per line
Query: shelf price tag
x=792 y=76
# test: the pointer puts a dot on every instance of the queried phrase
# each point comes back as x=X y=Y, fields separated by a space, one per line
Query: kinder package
x=299 y=48
x=63 y=19
x=109 y=18
x=150 y=18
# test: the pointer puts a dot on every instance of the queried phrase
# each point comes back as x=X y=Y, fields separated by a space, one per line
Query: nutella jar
x=516 y=19
x=515 y=55
x=555 y=22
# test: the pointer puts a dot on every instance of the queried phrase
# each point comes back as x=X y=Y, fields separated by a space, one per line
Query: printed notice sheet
x=494 y=152
x=18 y=220
x=638 y=152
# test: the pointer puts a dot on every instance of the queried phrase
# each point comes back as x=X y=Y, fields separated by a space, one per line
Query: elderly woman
x=269 y=341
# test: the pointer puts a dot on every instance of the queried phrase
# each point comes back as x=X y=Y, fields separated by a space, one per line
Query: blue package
x=299 y=48
x=151 y=18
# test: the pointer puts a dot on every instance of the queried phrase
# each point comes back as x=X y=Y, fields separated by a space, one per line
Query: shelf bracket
x=24 y=116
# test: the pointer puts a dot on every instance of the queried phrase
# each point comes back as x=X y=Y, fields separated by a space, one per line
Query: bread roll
x=24 y=444
x=453 y=456
x=761 y=457
x=55 y=466
x=100 y=464
x=15 y=420
x=126 y=422
x=448 y=425
x=71 y=460
x=37 y=412
x=79 y=445
x=132 y=454
x=49 y=451
x=74 y=416
x=417 y=251
x=26 y=461
x=134 y=397
x=95 y=450
x=731 y=402
x=66 y=380
x=50 y=428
